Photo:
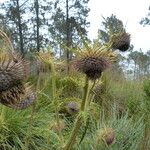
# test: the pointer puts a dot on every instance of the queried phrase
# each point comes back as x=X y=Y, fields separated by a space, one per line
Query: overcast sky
x=129 y=11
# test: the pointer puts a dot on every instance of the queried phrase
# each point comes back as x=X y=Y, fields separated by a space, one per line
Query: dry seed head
x=121 y=41
x=25 y=99
x=18 y=97
x=12 y=72
x=72 y=108
x=106 y=135
x=93 y=62
x=13 y=92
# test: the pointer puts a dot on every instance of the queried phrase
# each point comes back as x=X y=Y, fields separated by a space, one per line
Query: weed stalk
x=79 y=118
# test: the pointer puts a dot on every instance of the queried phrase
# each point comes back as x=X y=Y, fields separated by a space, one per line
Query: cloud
x=1 y=1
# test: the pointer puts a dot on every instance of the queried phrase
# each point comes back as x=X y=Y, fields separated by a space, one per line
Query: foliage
x=111 y=25
x=128 y=129
x=68 y=23
x=141 y=63
x=146 y=20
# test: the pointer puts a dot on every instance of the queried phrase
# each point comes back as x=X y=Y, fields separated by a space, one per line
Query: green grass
x=25 y=129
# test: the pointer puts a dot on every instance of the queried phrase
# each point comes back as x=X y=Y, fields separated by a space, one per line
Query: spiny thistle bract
x=25 y=100
x=13 y=92
x=11 y=72
x=120 y=41
x=93 y=62
x=106 y=135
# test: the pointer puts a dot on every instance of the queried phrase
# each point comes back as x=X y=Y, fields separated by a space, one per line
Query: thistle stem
x=91 y=93
x=86 y=94
x=78 y=122
x=89 y=100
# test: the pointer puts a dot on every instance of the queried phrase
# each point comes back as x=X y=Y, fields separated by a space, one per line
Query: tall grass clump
x=146 y=142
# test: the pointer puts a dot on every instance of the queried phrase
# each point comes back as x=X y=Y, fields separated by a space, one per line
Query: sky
x=129 y=11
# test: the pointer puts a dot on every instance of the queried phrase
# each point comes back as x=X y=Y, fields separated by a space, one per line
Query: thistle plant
x=91 y=62
x=14 y=70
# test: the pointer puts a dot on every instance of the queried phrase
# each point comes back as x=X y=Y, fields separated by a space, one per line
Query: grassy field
x=120 y=105
x=85 y=109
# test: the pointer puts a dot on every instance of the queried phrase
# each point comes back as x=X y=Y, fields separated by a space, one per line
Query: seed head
x=26 y=100
x=121 y=41
x=94 y=62
x=11 y=72
x=72 y=108
x=107 y=135
x=13 y=92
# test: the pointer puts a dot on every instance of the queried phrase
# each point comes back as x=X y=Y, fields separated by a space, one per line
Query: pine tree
x=67 y=24
x=14 y=14
x=39 y=22
x=146 y=20
x=28 y=23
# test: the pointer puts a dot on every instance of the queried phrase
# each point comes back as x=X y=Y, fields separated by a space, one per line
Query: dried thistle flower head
x=106 y=135
x=93 y=62
x=72 y=108
x=121 y=41
x=12 y=88
x=25 y=99
x=12 y=72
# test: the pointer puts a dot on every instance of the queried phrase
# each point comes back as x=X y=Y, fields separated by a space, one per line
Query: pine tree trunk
x=37 y=25
x=67 y=35
x=20 y=29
